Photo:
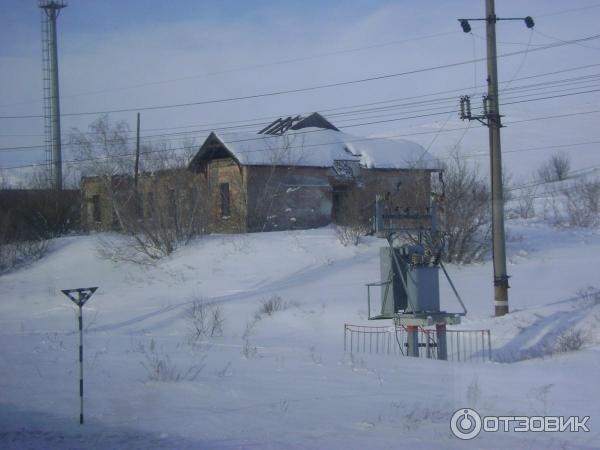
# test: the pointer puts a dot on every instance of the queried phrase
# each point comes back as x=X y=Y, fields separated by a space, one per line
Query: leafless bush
x=216 y=320
x=354 y=213
x=29 y=251
x=272 y=305
x=351 y=234
x=15 y=252
x=556 y=168
x=465 y=216
x=8 y=257
x=553 y=206
x=159 y=211
x=38 y=178
x=417 y=416
x=589 y=295
x=121 y=249
x=225 y=371
x=249 y=350
x=525 y=202
x=582 y=203
x=571 y=341
x=204 y=320
x=162 y=214
x=250 y=325
x=160 y=367
x=507 y=182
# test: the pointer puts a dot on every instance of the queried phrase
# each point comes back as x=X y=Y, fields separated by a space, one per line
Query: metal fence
x=462 y=345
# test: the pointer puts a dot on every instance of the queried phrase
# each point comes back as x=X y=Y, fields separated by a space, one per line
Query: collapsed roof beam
x=280 y=126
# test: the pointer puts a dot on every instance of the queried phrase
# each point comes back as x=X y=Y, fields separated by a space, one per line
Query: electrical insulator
x=468 y=102
x=486 y=100
x=529 y=22
x=464 y=23
x=462 y=108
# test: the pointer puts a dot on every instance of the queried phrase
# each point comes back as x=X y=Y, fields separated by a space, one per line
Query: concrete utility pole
x=493 y=121
x=494 y=125
x=51 y=9
x=137 y=154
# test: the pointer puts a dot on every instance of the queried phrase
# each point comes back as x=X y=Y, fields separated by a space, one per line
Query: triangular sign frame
x=83 y=294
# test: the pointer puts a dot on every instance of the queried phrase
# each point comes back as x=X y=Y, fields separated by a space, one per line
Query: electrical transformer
x=410 y=288
x=412 y=281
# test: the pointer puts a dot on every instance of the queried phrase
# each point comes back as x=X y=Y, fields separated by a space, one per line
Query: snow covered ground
x=284 y=381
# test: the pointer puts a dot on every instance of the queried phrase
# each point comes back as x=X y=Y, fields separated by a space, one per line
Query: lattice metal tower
x=50 y=10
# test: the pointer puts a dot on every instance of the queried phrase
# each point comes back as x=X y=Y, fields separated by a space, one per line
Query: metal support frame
x=411 y=320
x=83 y=295
x=50 y=11
x=412 y=339
x=442 y=349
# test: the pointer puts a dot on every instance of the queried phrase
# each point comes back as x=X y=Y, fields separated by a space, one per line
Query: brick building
x=295 y=173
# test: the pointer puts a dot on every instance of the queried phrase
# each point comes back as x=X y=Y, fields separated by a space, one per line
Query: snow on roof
x=317 y=147
x=314 y=147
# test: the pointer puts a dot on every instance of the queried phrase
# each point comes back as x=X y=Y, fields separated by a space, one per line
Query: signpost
x=80 y=296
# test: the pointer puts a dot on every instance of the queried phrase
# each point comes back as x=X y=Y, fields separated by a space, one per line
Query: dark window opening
x=338 y=197
x=335 y=207
x=225 y=209
x=96 y=209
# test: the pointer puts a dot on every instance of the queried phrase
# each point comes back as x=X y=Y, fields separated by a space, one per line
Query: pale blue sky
x=120 y=54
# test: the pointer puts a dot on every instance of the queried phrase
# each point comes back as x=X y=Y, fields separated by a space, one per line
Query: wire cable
x=315 y=145
x=304 y=89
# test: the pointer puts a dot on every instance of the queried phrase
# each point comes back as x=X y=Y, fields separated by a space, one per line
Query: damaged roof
x=304 y=144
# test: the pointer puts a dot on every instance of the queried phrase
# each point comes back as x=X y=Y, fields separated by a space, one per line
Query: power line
x=285 y=61
x=442 y=102
x=310 y=88
x=556 y=116
x=556 y=39
x=325 y=110
x=249 y=67
x=320 y=144
x=541 y=183
x=565 y=11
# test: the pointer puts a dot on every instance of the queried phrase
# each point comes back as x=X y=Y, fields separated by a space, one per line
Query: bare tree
x=4 y=180
x=556 y=168
x=354 y=216
x=525 y=201
x=104 y=149
x=265 y=194
x=39 y=177
x=167 y=206
x=582 y=203
x=17 y=250
x=466 y=211
x=166 y=213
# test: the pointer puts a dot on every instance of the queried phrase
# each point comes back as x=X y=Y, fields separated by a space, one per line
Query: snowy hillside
x=282 y=380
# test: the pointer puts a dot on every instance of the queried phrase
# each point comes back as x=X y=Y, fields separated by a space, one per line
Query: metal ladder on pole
x=47 y=93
